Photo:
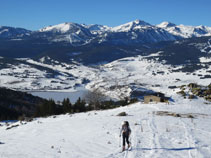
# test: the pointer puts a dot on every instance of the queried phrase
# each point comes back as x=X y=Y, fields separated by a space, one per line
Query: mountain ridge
x=137 y=31
x=13 y=32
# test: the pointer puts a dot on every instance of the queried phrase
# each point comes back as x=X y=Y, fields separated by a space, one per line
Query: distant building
x=156 y=97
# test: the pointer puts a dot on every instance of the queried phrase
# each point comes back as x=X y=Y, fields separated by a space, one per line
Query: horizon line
x=20 y=27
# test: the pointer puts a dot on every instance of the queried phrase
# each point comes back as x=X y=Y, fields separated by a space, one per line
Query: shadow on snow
x=172 y=149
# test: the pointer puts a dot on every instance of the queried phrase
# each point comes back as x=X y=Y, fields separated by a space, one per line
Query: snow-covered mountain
x=134 y=32
x=137 y=31
x=67 y=32
x=131 y=26
x=185 y=31
x=11 y=32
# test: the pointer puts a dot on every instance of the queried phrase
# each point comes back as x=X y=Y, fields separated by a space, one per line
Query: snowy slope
x=33 y=75
x=68 y=32
x=186 y=31
x=133 y=25
x=119 y=78
x=97 y=29
x=205 y=47
x=96 y=134
x=62 y=28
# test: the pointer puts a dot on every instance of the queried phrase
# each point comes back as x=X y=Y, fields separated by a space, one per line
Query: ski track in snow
x=146 y=140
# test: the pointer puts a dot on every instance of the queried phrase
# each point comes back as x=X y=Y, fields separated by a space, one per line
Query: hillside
x=14 y=104
x=179 y=129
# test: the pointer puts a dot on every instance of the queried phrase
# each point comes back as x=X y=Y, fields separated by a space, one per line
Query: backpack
x=126 y=128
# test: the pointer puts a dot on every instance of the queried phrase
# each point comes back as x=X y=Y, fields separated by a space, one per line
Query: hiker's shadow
x=172 y=149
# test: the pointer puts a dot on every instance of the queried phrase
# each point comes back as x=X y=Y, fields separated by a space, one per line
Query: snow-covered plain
x=96 y=134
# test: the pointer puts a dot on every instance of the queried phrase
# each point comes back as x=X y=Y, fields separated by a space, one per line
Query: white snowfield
x=95 y=134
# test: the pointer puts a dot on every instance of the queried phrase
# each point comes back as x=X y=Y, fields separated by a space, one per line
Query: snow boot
x=123 y=148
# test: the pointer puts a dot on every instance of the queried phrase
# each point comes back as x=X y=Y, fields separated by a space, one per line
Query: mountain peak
x=166 y=24
x=63 y=27
x=137 y=24
x=96 y=27
x=140 y=22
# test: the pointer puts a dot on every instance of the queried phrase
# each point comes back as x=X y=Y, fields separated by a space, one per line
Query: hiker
x=125 y=133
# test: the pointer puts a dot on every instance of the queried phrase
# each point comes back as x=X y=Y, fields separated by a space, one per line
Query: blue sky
x=35 y=14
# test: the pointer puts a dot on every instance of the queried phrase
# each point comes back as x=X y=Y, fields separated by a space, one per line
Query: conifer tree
x=67 y=106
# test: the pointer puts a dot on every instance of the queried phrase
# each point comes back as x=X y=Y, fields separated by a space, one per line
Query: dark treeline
x=8 y=114
x=49 y=107
x=16 y=105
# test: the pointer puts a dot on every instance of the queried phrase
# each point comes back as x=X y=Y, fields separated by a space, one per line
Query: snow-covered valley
x=118 y=79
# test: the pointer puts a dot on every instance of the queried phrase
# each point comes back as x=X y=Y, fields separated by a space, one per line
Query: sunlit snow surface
x=64 y=27
x=96 y=134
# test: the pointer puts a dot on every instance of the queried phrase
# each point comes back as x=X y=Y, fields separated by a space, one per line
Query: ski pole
x=119 y=140
x=130 y=140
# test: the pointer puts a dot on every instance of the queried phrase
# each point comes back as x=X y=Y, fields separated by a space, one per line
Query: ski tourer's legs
x=127 y=140
x=124 y=138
